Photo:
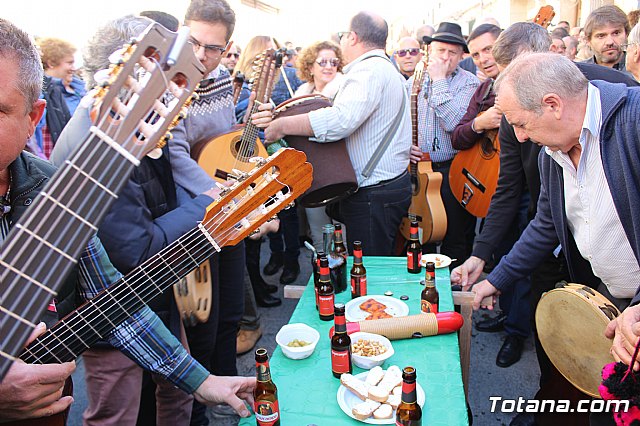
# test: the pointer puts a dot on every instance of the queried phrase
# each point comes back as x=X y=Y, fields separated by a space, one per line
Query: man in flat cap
x=445 y=95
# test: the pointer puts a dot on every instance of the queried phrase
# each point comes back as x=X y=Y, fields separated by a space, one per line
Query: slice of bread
x=392 y=378
x=364 y=410
x=358 y=387
x=375 y=375
x=397 y=391
x=394 y=401
x=378 y=393
x=385 y=411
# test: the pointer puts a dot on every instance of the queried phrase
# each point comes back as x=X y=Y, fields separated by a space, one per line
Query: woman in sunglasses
x=320 y=65
x=407 y=56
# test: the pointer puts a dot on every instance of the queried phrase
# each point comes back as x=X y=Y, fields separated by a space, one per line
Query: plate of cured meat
x=374 y=307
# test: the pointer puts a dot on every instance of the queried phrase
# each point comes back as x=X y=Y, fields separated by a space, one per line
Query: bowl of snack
x=369 y=350
x=297 y=341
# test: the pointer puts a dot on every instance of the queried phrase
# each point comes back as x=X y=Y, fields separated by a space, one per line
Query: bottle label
x=410 y=264
x=267 y=412
x=325 y=304
x=340 y=361
x=264 y=372
x=358 y=286
x=316 y=291
x=409 y=395
x=428 y=307
x=363 y=286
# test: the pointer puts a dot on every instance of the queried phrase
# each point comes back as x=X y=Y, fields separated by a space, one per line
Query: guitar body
x=473 y=175
x=426 y=207
x=219 y=156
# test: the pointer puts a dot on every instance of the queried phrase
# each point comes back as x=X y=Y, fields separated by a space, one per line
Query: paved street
x=486 y=378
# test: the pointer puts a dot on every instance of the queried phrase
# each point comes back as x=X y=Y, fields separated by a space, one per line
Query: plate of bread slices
x=374 y=307
x=373 y=396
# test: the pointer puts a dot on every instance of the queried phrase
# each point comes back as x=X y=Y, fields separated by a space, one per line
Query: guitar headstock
x=129 y=109
x=418 y=75
x=257 y=196
x=544 y=16
x=264 y=68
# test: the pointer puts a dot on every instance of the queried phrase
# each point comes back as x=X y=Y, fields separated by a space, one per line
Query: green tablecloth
x=307 y=389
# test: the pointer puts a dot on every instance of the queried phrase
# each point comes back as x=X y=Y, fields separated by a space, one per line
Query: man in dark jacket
x=589 y=183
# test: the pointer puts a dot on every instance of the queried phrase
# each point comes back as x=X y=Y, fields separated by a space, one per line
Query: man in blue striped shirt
x=446 y=92
x=368 y=103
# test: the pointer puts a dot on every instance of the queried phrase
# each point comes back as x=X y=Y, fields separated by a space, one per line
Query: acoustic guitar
x=130 y=119
x=220 y=156
x=426 y=203
x=256 y=197
x=474 y=172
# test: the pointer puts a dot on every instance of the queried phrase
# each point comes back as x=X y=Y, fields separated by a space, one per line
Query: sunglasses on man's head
x=235 y=55
x=334 y=62
x=403 y=52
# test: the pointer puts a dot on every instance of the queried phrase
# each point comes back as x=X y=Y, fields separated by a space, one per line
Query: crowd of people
x=564 y=102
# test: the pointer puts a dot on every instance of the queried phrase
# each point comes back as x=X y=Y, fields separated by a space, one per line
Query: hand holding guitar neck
x=488 y=120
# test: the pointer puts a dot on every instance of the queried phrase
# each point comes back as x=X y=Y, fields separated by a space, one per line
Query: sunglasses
x=334 y=62
x=403 y=52
x=233 y=55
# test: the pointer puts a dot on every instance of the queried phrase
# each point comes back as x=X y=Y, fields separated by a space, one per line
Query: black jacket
x=57 y=111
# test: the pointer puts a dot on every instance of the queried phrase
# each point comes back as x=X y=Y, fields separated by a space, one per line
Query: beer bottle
x=337 y=259
x=429 y=298
x=265 y=395
x=414 y=250
x=409 y=412
x=340 y=344
x=358 y=272
x=339 y=246
x=325 y=291
x=316 y=273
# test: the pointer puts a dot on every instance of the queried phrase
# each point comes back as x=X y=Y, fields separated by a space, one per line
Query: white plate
x=346 y=401
x=440 y=260
x=394 y=307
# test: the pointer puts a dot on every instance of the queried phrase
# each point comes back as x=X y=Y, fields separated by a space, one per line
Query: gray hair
x=634 y=35
x=16 y=45
x=519 y=38
x=371 y=29
x=534 y=75
x=107 y=40
x=212 y=12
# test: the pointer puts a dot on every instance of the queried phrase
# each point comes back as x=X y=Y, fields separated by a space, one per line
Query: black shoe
x=492 y=325
x=270 y=288
x=275 y=263
x=290 y=273
x=523 y=419
x=268 y=301
x=510 y=351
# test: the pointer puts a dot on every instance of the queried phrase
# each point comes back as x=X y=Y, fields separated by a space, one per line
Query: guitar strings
x=129 y=283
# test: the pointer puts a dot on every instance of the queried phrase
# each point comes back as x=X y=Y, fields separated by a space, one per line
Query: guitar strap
x=386 y=141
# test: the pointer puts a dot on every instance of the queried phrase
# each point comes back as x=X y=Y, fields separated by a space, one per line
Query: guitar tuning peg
x=167 y=137
x=290 y=205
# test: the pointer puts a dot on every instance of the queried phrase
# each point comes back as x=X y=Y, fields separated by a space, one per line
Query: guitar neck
x=79 y=330
x=47 y=243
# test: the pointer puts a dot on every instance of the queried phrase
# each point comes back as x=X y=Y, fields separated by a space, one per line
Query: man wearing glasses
x=633 y=52
x=407 y=56
x=370 y=100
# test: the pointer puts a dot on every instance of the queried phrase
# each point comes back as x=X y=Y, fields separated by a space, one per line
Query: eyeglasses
x=342 y=34
x=209 y=49
x=333 y=62
x=235 y=55
x=403 y=52
x=625 y=46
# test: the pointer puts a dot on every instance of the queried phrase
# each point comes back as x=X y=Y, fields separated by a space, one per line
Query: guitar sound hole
x=488 y=150
x=242 y=151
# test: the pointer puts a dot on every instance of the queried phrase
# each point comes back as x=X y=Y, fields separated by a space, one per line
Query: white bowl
x=368 y=362
x=298 y=331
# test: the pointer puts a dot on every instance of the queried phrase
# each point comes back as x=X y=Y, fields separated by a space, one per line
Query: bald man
x=407 y=56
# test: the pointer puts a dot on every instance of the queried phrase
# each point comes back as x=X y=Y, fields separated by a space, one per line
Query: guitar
x=256 y=197
x=426 y=203
x=252 y=200
x=474 y=172
x=233 y=151
x=129 y=120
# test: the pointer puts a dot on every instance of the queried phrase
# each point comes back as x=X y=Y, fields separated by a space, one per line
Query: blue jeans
x=372 y=214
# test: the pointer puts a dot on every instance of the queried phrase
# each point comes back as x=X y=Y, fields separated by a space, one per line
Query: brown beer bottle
x=265 y=395
x=340 y=344
x=326 y=295
x=429 y=297
x=409 y=412
x=358 y=272
x=414 y=250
